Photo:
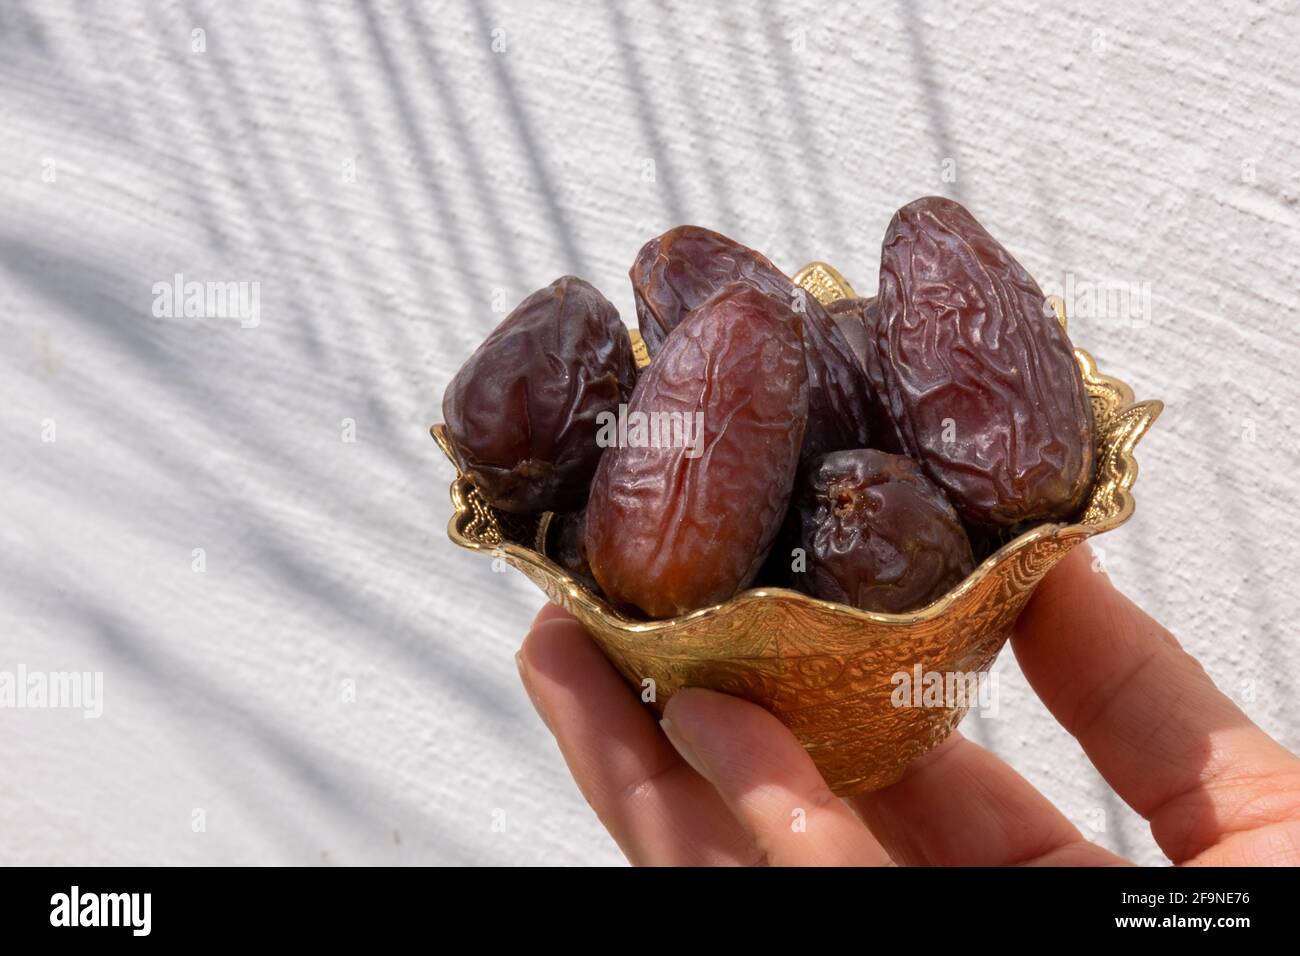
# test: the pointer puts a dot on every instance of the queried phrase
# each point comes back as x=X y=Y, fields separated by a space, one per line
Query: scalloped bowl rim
x=935 y=609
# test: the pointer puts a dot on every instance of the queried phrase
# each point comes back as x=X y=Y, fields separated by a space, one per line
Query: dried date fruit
x=676 y=272
x=687 y=524
x=877 y=534
x=980 y=378
x=858 y=320
x=850 y=316
x=570 y=547
x=521 y=412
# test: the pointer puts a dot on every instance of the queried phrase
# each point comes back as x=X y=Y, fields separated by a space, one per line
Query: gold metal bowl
x=827 y=670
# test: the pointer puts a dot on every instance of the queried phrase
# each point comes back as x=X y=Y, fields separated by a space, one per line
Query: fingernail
x=526 y=680
x=544 y=608
x=682 y=746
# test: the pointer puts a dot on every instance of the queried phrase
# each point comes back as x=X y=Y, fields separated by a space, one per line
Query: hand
x=717 y=780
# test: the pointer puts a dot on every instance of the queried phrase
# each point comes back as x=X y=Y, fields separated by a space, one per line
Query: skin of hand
x=719 y=780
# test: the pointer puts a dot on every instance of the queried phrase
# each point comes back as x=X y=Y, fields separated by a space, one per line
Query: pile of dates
x=869 y=452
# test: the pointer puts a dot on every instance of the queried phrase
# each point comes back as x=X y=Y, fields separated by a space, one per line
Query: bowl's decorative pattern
x=827 y=670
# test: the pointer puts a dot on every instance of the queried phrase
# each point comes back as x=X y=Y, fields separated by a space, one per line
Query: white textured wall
x=1151 y=143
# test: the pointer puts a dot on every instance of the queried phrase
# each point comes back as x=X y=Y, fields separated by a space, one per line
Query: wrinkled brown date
x=858 y=319
x=521 y=412
x=676 y=272
x=877 y=534
x=979 y=377
x=850 y=316
x=671 y=529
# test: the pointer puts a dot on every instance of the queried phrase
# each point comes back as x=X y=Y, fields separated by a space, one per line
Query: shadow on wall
x=155 y=358
x=271 y=216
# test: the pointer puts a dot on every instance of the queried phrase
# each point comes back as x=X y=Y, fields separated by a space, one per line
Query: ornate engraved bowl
x=827 y=671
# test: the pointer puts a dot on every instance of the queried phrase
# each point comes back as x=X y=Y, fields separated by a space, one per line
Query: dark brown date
x=877 y=534
x=858 y=320
x=570 y=547
x=521 y=412
x=979 y=376
x=850 y=316
x=675 y=273
x=678 y=527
